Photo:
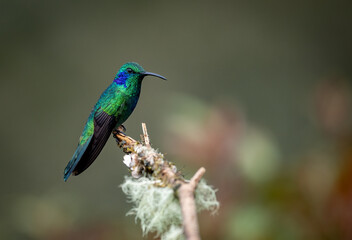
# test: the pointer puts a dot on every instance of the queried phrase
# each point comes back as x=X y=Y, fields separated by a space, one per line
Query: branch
x=142 y=160
x=145 y=135
x=188 y=206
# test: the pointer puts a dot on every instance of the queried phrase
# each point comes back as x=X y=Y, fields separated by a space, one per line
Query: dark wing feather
x=103 y=126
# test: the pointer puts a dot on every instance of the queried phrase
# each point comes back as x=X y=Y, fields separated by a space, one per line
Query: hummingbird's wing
x=87 y=153
x=103 y=126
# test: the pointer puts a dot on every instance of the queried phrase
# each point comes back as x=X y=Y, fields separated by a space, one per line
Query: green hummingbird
x=113 y=108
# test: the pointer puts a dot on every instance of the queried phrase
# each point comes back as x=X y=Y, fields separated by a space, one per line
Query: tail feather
x=75 y=159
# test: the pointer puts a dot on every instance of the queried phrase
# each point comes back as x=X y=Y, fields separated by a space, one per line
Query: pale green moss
x=205 y=197
x=174 y=233
x=158 y=209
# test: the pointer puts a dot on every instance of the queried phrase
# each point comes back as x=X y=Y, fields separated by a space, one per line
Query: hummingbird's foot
x=120 y=129
x=123 y=141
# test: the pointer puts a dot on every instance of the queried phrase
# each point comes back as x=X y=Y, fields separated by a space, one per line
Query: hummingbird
x=113 y=108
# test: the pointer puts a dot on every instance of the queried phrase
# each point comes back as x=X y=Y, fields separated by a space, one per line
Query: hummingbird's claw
x=121 y=128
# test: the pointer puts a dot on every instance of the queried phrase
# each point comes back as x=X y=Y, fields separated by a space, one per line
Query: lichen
x=158 y=209
x=206 y=198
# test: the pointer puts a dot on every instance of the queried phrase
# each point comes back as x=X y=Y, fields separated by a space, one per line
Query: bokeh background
x=259 y=93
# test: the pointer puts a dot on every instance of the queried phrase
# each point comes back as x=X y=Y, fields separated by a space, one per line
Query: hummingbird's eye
x=129 y=70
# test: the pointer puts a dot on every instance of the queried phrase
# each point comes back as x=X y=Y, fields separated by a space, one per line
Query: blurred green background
x=259 y=93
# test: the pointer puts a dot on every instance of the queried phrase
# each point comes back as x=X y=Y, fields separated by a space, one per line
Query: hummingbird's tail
x=75 y=159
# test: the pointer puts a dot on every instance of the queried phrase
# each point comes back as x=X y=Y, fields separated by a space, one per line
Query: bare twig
x=188 y=206
x=149 y=161
x=145 y=135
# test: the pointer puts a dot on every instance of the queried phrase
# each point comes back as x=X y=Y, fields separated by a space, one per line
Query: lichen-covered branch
x=153 y=174
x=143 y=160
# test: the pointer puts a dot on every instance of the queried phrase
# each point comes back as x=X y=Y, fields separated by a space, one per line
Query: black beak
x=153 y=74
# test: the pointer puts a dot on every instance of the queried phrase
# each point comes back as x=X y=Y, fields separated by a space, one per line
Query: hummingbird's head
x=131 y=73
